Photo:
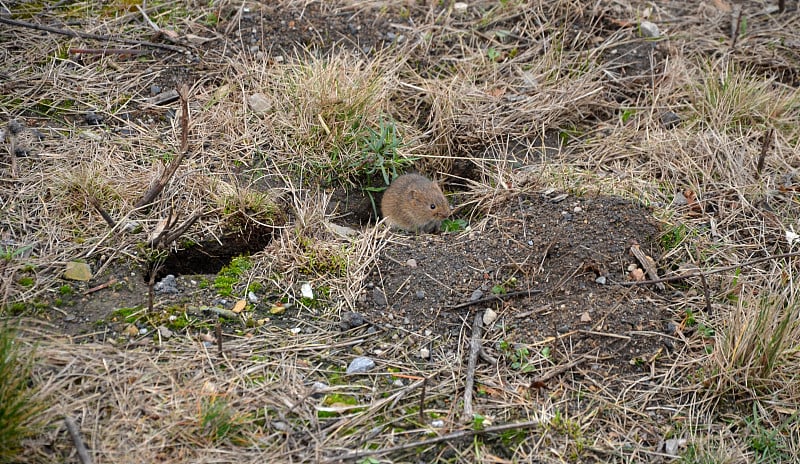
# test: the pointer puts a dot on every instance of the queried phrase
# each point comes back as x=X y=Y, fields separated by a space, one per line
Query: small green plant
x=506 y=285
x=765 y=441
x=493 y=54
x=17 y=406
x=66 y=290
x=8 y=254
x=454 y=225
x=26 y=281
x=379 y=153
x=477 y=421
x=218 y=420
x=673 y=237
x=519 y=356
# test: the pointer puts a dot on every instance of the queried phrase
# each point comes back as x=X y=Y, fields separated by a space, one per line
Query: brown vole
x=415 y=204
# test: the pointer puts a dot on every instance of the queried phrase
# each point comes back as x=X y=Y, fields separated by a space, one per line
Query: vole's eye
x=433 y=206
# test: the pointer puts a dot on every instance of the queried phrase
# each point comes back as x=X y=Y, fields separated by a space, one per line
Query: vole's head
x=429 y=203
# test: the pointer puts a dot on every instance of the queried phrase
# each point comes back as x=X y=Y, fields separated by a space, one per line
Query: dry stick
x=647 y=264
x=218 y=333
x=495 y=297
x=150 y=195
x=781 y=6
x=169 y=238
x=764 y=149
x=697 y=272
x=432 y=441
x=101 y=286
x=474 y=349
x=83 y=453
x=541 y=381
x=85 y=35
x=735 y=28
x=706 y=293
x=151 y=284
x=106 y=51
x=107 y=217
x=422 y=401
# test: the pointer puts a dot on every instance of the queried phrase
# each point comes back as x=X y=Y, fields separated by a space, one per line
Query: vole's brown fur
x=415 y=204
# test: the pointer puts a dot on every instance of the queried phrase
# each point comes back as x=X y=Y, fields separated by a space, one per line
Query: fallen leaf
x=239 y=306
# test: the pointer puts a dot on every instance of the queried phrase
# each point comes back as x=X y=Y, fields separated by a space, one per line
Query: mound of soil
x=549 y=256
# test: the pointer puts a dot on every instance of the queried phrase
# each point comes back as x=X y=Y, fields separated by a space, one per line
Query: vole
x=415 y=204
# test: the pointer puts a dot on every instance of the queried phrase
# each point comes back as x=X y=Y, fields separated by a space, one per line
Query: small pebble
x=489 y=316
x=670 y=119
x=167 y=285
x=649 y=30
x=412 y=263
x=420 y=294
x=424 y=353
x=93 y=119
x=601 y=280
x=164 y=332
x=360 y=365
x=252 y=297
x=398 y=383
x=378 y=297
x=437 y=423
x=351 y=320
x=476 y=295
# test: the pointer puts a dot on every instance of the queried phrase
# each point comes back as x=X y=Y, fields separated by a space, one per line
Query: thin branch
x=696 y=272
x=472 y=361
x=83 y=453
x=157 y=187
x=85 y=35
x=432 y=441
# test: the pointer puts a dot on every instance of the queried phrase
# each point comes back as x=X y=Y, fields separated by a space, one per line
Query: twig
x=106 y=51
x=85 y=35
x=541 y=381
x=432 y=441
x=696 y=272
x=107 y=217
x=101 y=286
x=157 y=187
x=494 y=297
x=706 y=293
x=765 y=144
x=151 y=284
x=735 y=27
x=422 y=401
x=472 y=361
x=83 y=453
x=218 y=333
x=647 y=264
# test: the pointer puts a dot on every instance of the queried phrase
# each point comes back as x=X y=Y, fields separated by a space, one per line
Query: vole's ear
x=413 y=193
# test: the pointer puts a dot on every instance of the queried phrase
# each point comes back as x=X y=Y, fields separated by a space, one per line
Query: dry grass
x=551 y=86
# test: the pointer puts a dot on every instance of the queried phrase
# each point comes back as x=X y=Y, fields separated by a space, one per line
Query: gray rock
x=649 y=30
x=670 y=119
x=93 y=119
x=360 y=365
x=476 y=295
x=351 y=320
x=164 y=332
x=252 y=298
x=378 y=296
x=420 y=294
x=167 y=285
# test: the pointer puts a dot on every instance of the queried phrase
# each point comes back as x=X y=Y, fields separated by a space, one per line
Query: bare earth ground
x=563 y=137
